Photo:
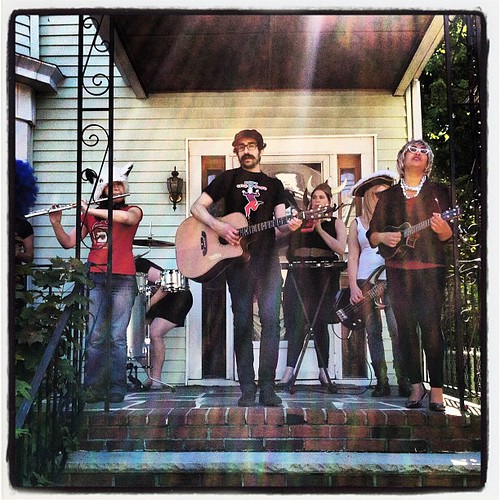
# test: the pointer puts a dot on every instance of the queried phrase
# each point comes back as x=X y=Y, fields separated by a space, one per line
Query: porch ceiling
x=172 y=52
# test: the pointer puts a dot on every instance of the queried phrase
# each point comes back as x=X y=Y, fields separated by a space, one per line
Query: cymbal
x=150 y=242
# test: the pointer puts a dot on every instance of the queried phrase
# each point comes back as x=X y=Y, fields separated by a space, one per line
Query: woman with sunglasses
x=416 y=265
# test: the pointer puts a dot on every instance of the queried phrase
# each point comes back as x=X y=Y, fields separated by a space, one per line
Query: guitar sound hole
x=222 y=241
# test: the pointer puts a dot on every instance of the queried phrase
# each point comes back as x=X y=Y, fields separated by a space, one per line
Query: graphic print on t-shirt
x=99 y=234
x=251 y=193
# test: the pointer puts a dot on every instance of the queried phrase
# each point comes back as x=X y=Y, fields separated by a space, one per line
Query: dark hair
x=254 y=134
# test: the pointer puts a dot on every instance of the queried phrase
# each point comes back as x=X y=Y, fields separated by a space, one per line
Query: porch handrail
x=47 y=357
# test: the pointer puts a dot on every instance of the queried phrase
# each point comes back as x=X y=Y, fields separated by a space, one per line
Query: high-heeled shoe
x=416 y=403
x=437 y=406
x=323 y=378
x=284 y=383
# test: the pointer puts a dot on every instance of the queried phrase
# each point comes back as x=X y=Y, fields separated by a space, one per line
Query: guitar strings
x=370 y=295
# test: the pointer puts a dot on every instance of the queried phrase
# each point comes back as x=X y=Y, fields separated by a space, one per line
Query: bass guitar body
x=352 y=316
x=201 y=254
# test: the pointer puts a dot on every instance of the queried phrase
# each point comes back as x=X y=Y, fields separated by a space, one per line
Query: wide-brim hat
x=384 y=177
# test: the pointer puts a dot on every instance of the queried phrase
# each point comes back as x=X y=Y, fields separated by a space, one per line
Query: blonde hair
x=370 y=199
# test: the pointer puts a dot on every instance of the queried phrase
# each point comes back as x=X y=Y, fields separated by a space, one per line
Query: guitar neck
x=262 y=226
x=416 y=228
x=374 y=291
x=281 y=221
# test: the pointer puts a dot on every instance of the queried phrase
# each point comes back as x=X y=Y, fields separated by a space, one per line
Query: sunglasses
x=413 y=149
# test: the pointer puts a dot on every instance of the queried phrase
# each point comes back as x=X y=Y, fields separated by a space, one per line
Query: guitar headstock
x=452 y=213
x=318 y=213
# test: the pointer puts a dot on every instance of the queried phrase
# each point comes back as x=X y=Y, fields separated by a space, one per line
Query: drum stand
x=332 y=388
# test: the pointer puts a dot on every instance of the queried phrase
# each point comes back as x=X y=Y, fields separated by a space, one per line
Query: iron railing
x=470 y=317
x=48 y=418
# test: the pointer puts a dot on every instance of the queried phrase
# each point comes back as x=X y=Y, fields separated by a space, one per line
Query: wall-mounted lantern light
x=174 y=184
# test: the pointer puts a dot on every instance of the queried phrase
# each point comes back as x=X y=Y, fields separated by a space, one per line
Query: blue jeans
x=106 y=341
x=374 y=336
x=264 y=281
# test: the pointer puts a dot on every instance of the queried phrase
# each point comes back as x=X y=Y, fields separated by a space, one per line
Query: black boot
x=248 y=392
x=404 y=386
x=267 y=396
x=382 y=388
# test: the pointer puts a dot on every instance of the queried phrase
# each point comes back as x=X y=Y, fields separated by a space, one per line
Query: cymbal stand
x=332 y=388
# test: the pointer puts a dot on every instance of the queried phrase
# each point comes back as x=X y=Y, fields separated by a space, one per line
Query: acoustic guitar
x=202 y=254
x=409 y=234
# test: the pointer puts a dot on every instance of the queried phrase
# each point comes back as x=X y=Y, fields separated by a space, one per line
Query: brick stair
x=282 y=447
x=280 y=429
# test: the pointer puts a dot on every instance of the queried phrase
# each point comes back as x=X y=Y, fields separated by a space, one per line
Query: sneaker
x=268 y=397
x=247 y=395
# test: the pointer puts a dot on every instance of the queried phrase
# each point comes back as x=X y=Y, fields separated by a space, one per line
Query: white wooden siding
x=22 y=35
x=152 y=133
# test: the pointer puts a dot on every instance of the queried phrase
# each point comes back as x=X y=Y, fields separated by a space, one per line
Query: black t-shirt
x=23 y=228
x=311 y=239
x=255 y=195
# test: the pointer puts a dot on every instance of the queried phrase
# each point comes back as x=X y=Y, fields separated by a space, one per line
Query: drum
x=136 y=329
x=171 y=280
x=142 y=282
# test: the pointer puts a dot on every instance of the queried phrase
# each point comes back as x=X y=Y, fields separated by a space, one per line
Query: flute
x=71 y=205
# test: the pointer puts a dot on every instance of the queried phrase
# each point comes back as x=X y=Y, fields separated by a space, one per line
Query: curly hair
x=404 y=149
x=26 y=188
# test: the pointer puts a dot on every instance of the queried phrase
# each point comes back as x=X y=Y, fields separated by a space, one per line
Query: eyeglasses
x=413 y=149
x=251 y=146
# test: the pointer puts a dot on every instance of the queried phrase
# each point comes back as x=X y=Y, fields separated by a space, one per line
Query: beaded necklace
x=417 y=189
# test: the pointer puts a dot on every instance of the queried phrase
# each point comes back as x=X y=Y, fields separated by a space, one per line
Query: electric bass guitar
x=202 y=254
x=350 y=315
x=409 y=234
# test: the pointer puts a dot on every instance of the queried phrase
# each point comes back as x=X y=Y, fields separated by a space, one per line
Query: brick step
x=260 y=429
x=98 y=470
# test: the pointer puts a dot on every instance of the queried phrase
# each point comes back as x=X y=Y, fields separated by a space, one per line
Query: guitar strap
x=372 y=279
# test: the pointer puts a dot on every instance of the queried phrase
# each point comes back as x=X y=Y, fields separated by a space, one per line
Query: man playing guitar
x=259 y=198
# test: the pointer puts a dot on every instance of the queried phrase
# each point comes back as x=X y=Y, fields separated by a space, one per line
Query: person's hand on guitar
x=294 y=223
x=389 y=239
x=227 y=232
x=440 y=227
x=356 y=294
